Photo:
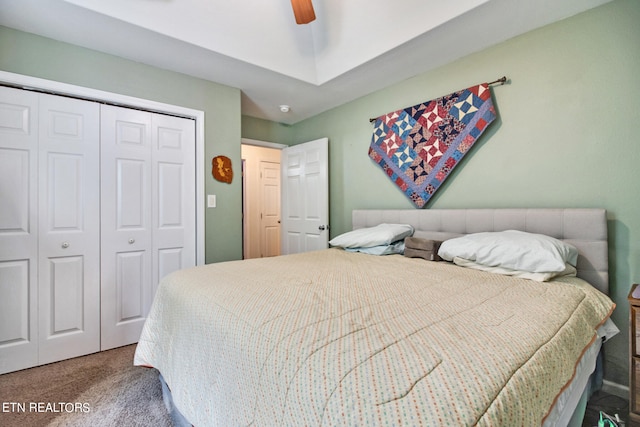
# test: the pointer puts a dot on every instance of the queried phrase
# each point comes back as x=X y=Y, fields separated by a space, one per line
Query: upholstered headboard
x=586 y=229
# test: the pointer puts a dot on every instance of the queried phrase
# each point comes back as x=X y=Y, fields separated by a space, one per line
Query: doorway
x=285 y=197
x=260 y=199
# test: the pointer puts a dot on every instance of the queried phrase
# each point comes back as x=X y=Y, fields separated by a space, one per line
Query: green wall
x=266 y=130
x=566 y=137
x=36 y=56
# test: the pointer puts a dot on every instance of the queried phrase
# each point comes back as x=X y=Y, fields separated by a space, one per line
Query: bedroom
x=564 y=136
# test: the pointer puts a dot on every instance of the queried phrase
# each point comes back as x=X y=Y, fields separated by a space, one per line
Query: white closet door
x=69 y=228
x=125 y=225
x=18 y=229
x=173 y=195
x=148 y=213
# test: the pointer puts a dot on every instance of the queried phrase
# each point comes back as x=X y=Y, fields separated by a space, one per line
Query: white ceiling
x=353 y=48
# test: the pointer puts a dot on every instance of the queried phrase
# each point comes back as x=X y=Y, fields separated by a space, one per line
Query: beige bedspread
x=334 y=338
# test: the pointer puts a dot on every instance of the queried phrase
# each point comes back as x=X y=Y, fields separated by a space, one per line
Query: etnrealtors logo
x=40 y=407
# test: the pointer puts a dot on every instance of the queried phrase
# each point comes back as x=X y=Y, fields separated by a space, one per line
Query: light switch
x=211 y=200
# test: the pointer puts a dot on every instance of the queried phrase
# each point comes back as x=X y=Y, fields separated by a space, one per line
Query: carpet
x=99 y=390
x=607 y=403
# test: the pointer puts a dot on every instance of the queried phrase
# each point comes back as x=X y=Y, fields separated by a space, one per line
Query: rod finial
x=502 y=80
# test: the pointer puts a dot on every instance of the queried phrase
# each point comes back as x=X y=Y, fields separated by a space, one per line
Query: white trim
x=200 y=188
x=615 y=389
x=259 y=143
x=35 y=83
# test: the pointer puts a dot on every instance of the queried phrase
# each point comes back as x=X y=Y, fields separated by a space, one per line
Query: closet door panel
x=126 y=224
x=173 y=189
x=66 y=287
x=14 y=282
x=170 y=260
x=14 y=187
x=131 y=196
x=69 y=228
x=18 y=229
x=16 y=332
x=131 y=275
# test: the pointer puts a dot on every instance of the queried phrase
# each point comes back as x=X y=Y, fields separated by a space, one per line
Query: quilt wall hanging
x=419 y=146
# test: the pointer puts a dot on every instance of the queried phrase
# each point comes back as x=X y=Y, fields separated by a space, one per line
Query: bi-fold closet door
x=148 y=213
x=49 y=228
x=97 y=205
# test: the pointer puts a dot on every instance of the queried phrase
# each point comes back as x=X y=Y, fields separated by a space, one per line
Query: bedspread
x=337 y=338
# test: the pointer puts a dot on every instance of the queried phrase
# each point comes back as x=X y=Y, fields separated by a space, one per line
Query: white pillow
x=382 y=234
x=512 y=249
x=538 y=277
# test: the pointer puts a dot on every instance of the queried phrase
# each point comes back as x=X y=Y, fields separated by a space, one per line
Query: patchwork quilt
x=419 y=146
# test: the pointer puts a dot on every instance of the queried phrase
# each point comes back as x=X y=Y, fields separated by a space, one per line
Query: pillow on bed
x=512 y=249
x=538 y=277
x=382 y=234
x=393 y=248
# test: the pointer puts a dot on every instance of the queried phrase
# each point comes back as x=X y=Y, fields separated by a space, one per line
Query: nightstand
x=634 y=355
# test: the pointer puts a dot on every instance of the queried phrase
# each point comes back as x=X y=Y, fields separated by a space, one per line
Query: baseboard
x=615 y=389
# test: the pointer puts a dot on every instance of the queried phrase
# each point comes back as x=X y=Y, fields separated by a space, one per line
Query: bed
x=336 y=337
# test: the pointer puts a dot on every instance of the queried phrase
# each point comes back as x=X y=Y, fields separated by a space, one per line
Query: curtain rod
x=502 y=80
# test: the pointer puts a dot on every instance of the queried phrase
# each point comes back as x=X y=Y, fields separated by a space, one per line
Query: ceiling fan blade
x=303 y=11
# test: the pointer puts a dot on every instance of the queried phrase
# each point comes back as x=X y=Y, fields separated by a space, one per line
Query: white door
x=125 y=224
x=305 y=197
x=49 y=228
x=69 y=228
x=270 y=209
x=173 y=189
x=148 y=213
x=18 y=229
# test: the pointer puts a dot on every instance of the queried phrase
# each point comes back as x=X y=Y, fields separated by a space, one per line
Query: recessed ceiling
x=353 y=48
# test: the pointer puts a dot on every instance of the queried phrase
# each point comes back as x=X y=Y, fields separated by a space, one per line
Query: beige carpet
x=99 y=390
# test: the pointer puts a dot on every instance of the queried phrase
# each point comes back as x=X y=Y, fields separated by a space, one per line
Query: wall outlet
x=211 y=200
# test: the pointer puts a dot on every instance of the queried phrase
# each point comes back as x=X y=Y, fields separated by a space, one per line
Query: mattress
x=338 y=338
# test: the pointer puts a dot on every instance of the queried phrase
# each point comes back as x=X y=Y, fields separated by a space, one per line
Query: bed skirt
x=177 y=419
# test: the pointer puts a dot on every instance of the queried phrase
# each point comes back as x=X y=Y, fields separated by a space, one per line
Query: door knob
x=321 y=228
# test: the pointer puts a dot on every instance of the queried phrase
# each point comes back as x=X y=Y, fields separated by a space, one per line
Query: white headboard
x=586 y=229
